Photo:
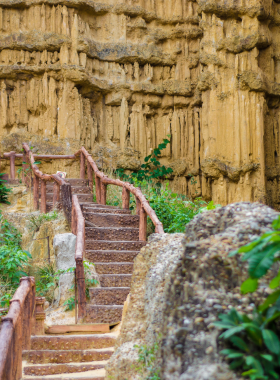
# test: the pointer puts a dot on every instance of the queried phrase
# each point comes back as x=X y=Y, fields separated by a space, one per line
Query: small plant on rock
x=36 y=220
x=146 y=361
x=254 y=340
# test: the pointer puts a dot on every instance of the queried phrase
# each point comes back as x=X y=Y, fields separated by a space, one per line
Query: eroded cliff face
x=118 y=76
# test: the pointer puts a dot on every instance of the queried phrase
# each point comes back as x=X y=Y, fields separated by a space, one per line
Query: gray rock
x=64 y=250
x=178 y=290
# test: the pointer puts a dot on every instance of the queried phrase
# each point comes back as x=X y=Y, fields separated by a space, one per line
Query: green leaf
x=239 y=343
x=229 y=351
x=235 y=355
x=261 y=262
x=236 y=364
x=250 y=372
x=227 y=334
x=271 y=341
x=267 y=357
x=271 y=299
x=249 y=286
x=274 y=283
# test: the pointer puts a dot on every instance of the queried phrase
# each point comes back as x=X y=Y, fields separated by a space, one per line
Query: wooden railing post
x=74 y=221
x=143 y=225
x=12 y=165
x=103 y=193
x=82 y=166
x=81 y=286
x=43 y=196
x=28 y=311
x=90 y=175
x=138 y=206
x=125 y=198
x=66 y=200
x=98 y=189
x=56 y=194
x=36 y=192
x=39 y=316
x=25 y=175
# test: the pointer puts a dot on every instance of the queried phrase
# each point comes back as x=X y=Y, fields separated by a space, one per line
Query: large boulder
x=179 y=286
x=64 y=250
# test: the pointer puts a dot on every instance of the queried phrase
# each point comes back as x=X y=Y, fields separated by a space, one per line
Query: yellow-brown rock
x=123 y=74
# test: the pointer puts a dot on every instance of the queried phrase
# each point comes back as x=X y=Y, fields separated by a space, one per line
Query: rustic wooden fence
x=16 y=328
x=70 y=204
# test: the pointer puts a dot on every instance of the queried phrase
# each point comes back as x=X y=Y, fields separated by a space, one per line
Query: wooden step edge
x=85 y=328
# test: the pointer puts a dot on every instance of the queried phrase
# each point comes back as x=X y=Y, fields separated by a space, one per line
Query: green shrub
x=35 y=221
x=13 y=260
x=89 y=282
x=4 y=191
x=175 y=211
x=46 y=281
x=151 y=169
x=70 y=304
x=255 y=340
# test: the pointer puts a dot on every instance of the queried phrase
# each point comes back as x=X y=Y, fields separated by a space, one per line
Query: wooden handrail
x=78 y=229
x=15 y=332
x=145 y=208
x=72 y=207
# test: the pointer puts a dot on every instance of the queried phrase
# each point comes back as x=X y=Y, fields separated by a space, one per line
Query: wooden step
x=103 y=313
x=101 y=209
x=112 y=220
x=77 y=181
x=115 y=280
x=111 y=256
x=75 y=189
x=79 y=329
x=66 y=356
x=114 y=268
x=62 y=368
x=97 y=245
x=112 y=233
x=85 y=197
x=72 y=342
x=98 y=374
x=108 y=296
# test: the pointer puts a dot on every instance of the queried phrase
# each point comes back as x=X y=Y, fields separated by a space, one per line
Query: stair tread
x=111 y=288
x=113 y=241
x=117 y=274
x=112 y=263
x=97 y=362
x=109 y=251
x=98 y=374
x=109 y=349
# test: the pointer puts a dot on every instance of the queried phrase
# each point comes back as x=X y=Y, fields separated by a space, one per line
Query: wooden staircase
x=68 y=357
x=107 y=236
x=112 y=243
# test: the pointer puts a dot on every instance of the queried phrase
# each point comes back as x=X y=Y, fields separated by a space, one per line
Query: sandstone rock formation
x=178 y=290
x=122 y=75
